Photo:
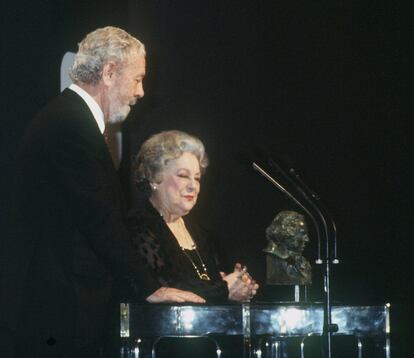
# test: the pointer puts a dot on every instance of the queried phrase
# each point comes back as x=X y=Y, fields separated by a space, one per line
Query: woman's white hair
x=161 y=148
x=97 y=48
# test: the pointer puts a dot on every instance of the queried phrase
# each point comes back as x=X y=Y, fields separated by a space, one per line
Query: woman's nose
x=192 y=185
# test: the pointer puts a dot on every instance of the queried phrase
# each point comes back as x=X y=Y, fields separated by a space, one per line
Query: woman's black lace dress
x=167 y=262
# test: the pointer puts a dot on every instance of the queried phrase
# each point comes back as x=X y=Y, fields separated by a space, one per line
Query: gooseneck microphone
x=317 y=198
x=307 y=194
x=297 y=202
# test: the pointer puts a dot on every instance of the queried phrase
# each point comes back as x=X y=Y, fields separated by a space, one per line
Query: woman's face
x=178 y=191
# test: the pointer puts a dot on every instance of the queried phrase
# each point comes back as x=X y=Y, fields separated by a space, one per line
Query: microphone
x=297 y=202
x=329 y=327
x=298 y=178
x=315 y=196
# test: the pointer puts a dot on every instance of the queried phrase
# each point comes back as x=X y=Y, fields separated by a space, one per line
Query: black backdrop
x=323 y=87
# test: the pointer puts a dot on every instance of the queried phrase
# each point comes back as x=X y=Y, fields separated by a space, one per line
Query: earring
x=154 y=187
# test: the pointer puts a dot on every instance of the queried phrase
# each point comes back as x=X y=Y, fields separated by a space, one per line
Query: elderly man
x=69 y=247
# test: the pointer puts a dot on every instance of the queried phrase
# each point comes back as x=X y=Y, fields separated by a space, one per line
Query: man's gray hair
x=161 y=148
x=97 y=48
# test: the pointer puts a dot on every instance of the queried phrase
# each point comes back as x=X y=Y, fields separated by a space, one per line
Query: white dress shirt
x=92 y=104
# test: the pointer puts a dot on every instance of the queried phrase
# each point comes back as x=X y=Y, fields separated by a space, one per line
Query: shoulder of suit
x=66 y=112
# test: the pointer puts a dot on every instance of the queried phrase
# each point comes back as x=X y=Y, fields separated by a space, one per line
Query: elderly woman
x=169 y=167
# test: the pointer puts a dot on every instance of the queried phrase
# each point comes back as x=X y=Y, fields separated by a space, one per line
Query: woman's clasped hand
x=241 y=286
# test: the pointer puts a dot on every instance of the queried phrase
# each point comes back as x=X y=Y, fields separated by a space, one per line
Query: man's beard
x=117 y=111
x=118 y=114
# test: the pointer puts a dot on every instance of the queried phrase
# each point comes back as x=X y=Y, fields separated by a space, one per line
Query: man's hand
x=169 y=294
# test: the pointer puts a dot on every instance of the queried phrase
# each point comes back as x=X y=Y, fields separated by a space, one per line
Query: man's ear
x=108 y=73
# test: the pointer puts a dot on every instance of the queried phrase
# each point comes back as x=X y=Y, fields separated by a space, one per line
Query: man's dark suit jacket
x=69 y=244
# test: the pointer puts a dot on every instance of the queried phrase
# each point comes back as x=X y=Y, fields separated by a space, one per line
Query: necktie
x=112 y=141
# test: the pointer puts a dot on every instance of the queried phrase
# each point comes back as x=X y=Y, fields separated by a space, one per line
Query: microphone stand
x=328 y=327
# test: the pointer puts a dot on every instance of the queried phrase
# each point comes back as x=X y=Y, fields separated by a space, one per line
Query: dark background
x=324 y=87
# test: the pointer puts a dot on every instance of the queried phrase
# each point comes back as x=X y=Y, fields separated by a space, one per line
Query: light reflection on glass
x=187 y=317
x=288 y=319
